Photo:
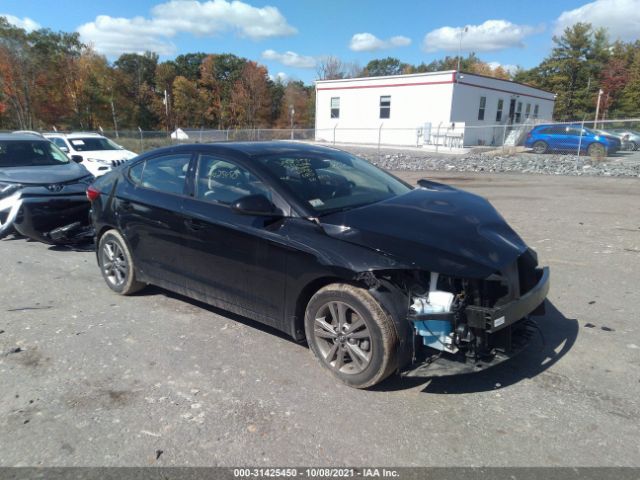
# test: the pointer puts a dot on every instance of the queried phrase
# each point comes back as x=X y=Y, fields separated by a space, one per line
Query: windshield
x=92 y=144
x=25 y=153
x=333 y=181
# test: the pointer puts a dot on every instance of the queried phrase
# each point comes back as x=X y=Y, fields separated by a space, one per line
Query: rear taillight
x=92 y=193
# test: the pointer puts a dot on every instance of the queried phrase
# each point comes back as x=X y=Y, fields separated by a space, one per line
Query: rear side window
x=165 y=174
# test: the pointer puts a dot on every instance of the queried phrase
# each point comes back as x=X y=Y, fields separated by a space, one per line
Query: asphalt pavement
x=94 y=379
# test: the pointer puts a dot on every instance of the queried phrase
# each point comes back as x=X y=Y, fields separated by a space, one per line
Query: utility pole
x=292 y=112
x=595 y=122
x=462 y=32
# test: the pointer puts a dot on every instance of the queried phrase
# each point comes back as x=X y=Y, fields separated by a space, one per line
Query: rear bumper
x=41 y=214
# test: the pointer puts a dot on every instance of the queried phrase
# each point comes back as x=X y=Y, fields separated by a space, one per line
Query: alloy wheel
x=114 y=263
x=343 y=338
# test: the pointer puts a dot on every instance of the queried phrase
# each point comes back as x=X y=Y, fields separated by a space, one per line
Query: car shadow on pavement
x=558 y=335
x=74 y=247
x=154 y=290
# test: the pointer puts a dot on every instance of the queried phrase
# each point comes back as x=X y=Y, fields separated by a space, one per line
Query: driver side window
x=224 y=181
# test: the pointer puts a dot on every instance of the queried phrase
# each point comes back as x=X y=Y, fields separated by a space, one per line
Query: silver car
x=629 y=137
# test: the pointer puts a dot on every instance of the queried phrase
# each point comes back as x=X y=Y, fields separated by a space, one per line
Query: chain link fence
x=582 y=138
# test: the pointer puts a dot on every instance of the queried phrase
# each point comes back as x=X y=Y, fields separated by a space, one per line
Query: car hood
x=437 y=228
x=108 y=154
x=46 y=174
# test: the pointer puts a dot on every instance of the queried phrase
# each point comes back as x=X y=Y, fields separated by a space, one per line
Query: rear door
x=149 y=207
x=234 y=261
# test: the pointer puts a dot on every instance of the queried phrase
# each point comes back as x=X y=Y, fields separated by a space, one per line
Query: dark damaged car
x=376 y=275
x=42 y=192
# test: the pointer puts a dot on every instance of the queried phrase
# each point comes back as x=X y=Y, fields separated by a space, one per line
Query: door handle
x=126 y=205
x=194 y=225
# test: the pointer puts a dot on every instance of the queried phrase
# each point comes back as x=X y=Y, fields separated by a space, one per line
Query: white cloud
x=113 y=36
x=290 y=59
x=367 y=42
x=279 y=77
x=26 y=23
x=620 y=17
x=214 y=16
x=489 y=36
x=509 y=68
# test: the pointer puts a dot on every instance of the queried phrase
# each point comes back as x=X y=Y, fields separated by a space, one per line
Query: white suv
x=99 y=154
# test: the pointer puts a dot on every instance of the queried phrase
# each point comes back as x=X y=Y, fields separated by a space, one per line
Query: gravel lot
x=620 y=164
x=90 y=378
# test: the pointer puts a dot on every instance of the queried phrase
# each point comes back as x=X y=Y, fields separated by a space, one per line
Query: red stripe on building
x=389 y=85
x=444 y=82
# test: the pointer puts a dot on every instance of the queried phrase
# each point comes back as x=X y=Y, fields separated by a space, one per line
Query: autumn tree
x=188 y=103
x=296 y=96
x=249 y=103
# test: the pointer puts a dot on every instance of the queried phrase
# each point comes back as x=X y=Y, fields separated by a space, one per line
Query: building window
x=536 y=110
x=385 y=107
x=519 y=112
x=483 y=104
x=527 y=112
x=499 y=111
x=335 y=107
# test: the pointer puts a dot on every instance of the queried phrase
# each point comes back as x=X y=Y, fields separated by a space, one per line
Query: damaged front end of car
x=460 y=325
x=56 y=213
x=464 y=285
x=475 y=323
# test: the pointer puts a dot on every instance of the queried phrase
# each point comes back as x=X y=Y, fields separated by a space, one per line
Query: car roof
x=73 y=134
x=22 y=136
x=251 y=149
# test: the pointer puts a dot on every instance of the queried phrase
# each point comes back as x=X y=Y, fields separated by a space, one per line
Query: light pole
x=462 y=32
x=292 y=112
x=595 y=122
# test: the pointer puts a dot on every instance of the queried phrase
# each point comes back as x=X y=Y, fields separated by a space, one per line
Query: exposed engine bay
x=474 y=322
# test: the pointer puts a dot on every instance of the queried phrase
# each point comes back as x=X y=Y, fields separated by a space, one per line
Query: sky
x=290 y=36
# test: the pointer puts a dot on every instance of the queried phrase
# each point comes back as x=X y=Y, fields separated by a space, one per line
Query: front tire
x=351 y=335
x=116 y=264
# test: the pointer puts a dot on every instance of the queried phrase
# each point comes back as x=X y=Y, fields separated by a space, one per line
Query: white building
x=426 y=108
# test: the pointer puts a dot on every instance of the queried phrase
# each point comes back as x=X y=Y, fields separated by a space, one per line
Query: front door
x=234 y=261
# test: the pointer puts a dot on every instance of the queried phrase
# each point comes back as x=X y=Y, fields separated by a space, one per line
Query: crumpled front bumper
x=514 y=315
x=494 y=319
x=39 y=215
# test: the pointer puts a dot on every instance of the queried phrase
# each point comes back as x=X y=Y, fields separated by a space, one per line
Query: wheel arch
x=391 y=298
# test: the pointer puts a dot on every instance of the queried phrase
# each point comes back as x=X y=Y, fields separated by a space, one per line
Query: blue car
x=570 y=138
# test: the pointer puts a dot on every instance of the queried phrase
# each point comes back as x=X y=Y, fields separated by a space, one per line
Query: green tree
x=572 y=70
x=383 y=67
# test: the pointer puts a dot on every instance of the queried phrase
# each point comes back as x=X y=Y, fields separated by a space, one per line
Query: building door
x=512 y=109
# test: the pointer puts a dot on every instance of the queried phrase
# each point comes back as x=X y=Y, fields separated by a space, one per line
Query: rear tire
x=116 y=264
x=633 y=146
x=540 y=147
x=597 y=150
x=351 y=335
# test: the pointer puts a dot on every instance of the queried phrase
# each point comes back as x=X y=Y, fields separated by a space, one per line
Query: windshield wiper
x=343 y=209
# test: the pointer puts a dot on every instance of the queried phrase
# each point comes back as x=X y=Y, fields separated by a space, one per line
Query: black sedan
x=42 y=192
x=376 y=275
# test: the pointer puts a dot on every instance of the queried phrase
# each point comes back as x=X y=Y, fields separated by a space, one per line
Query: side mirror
x=257 y=205
x=76 y=158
